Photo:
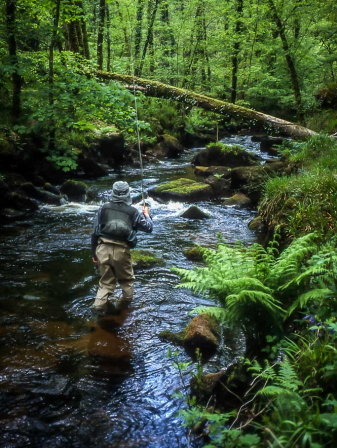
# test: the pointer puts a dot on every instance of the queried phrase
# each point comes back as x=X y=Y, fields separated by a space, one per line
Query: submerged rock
x=75 y=190
x=145 y=259
x=185 y=190
x=194 y=253
x=238 y=199
x=224 y=155
x=8 y=215
x=194 y=212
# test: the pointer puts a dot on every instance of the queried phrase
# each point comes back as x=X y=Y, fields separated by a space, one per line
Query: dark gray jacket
x=120 y=222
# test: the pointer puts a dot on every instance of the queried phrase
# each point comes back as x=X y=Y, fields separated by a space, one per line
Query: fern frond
x=214 y=311
x=313 y=295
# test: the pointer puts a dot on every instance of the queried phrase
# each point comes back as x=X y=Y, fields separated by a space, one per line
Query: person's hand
x=95 y=260
x=146 y=211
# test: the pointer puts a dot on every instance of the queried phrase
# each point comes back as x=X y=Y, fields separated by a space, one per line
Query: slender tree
x=12 y=49
x=289 y=59
x=100 y=34
x=149 y=35
x=235 y=56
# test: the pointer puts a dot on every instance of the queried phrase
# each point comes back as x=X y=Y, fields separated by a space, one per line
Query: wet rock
x=184 y=190
x=220 y=186
x=224 y=155
x=74 y=190
x=194 y=253
x=239 y=199
x=194 y=212
x=202 y=333
x=267 y=143
x=173 y=338
x=91 y=168
x=167 y=146
x=22 y=202
x=51 y=188
x=31 y=191
x=145 y=259
x=250 y=179
x=37 y=180
x=8 y=215
x=257 y=224
x=207 y=171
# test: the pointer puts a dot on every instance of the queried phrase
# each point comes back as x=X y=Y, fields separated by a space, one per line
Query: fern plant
x=253 y=286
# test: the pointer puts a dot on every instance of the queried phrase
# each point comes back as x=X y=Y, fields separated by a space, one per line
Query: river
x=70 y=378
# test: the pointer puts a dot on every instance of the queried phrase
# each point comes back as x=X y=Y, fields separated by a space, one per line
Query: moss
x=145 y=259
x=174 y=338
x=181 y=186
x=194 y=253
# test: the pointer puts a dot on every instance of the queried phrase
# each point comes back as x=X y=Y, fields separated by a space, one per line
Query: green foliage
x=305 y=202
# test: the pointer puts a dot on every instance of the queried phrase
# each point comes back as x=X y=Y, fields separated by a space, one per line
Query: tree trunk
x=235 y=60
x=139 y=27
x=100 y=34
x=192 y=99
x=148 y=37
x=51 y=74
x=108 y=39
x=86 y=51
x=16 y=77
x=289 y=59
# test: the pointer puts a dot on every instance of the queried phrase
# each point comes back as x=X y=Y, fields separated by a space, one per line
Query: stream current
x=70 y=378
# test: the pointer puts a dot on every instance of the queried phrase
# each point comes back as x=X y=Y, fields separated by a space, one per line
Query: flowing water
x=70 y=378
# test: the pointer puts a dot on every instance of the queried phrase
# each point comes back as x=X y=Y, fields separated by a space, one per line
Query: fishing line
x=136 y=111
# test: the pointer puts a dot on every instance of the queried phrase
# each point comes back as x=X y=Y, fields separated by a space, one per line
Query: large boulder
x=224 y=155
x=190 y=140
x=239 y=199
x=28 y=189
x=220 y=186
x=194 y=212
x=194 y=253
x=22 y=202
x=8 y=215
x=250 y=179
x=184 y=190
x=257 y=224
x=167 y=146
x=74 y=190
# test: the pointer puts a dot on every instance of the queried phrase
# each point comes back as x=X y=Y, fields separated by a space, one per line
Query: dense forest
x=88 y=87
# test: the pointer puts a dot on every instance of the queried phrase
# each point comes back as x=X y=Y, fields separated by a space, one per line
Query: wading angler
x=114 y=234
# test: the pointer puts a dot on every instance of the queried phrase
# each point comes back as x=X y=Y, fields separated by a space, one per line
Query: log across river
x=68 y=378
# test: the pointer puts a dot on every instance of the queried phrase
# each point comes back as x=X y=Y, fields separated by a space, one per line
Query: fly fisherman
x=114 y=233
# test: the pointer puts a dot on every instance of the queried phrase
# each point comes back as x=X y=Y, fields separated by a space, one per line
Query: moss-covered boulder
x=110 y=144
x=184 y=190
x=238 y=199
x=28 y=189
x=224 y=155
x=75 y=190
x=221 y=187
x=143 y=259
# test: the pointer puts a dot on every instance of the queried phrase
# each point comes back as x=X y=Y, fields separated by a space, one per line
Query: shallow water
x=71 y=379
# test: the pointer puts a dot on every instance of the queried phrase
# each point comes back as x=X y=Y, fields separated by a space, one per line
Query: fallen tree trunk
x=159 y=90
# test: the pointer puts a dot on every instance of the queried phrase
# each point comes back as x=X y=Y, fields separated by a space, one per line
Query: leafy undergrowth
x=289 y=301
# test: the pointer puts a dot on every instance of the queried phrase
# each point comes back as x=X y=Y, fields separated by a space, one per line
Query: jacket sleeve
x=142 y=223
x=95 y=233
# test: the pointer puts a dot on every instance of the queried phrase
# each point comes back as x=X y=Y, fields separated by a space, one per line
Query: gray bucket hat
x=121 y=193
